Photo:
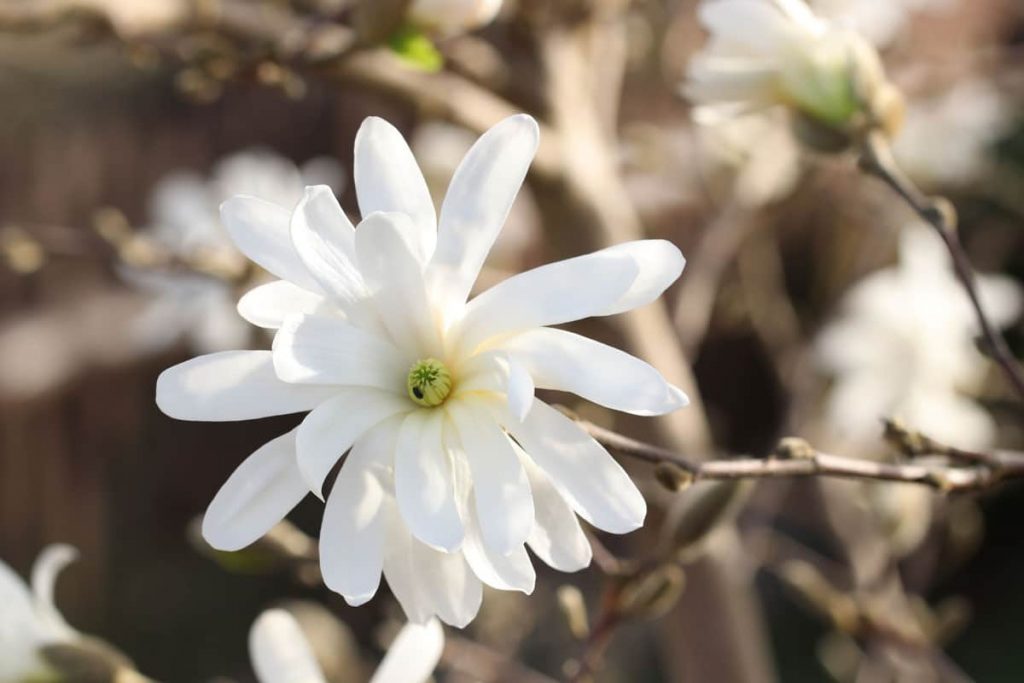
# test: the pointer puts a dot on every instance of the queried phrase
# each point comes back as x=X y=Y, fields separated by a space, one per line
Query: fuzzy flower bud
x=778 y=53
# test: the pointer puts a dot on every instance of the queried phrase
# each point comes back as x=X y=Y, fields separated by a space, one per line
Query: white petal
x=424 y=486
x=353 y=531
x=501 y=491
x=325 y=241
x=268 y=305
x=413 y=656
x=495 y=371
x=318 y=349
x=231 y=385
x=388 y=179
x=658 y=264
x=257 y=495
x=280 y=652
x=564 y=361
x=478 y=202
x=557 y=293
x=336 y=424
x=385 y=244
x=556 y=537
x=260 y=231
x=48 y=566
x=454 y=591
x=400 y=568
x=582 y=470
x=510 y=572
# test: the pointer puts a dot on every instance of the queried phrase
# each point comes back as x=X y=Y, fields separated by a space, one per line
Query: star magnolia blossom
x=29 y=620
x=904 y=347
x=764 y=53
x=452 y=16
x=281 y=654
x=426 y=391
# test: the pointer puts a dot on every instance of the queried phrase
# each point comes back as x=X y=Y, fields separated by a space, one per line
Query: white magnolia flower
x=453 y=16
x=281 y=654
x=904 y=347
x=426 y=391
x=185 y=221
x=969 y=118
x=29 y=620
x=767 y=53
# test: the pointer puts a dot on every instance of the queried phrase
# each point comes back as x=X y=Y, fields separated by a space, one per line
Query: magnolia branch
x=796 y=458
x=877 y=160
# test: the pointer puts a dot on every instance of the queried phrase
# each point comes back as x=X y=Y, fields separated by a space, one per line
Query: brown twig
x=807 y=461
x=877 y=160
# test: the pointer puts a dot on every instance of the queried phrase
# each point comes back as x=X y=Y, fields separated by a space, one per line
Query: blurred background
x=802 y=311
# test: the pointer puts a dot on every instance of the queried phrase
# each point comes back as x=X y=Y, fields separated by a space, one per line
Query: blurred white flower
x=281 y=654
x=29 y=620
x=904 y=347
x=453 y=16
x=185 y=222
x=767 y=53
x=969 y=118
x=376 y=338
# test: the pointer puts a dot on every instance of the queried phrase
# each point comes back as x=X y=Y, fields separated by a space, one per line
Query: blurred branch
x=877 y=160
x=795 y=457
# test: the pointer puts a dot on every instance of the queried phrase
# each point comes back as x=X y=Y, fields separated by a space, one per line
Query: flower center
x=429 y=382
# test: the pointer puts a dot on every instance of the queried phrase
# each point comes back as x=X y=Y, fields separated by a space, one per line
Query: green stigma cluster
x=429 y=382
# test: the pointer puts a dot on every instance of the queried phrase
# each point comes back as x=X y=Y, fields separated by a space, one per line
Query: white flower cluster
x=453 y=466
x=185 y=223
x=29 y=620
x=904 y=346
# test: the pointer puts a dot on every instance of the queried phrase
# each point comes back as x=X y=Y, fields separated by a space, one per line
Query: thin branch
x=877 y=160
x=802 y=460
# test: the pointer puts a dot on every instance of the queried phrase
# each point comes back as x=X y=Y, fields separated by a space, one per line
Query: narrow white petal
x=454 y=592
x=319 y=349
x=478 y=202
x=260 y=231
x=564 y=361
x=385 y=244
x=556 y=538
x=582 y=470
x=257 y=495
x=48 y=566
x=336 y=424
x=501 y=490
x=353 y=532
x=231 y=385
x=324 y=239
x=497 y=372
x=557 y=293
x=400 y=568
x=509 y=572
x=268 y=305
x=280 y=652
x=413 y=656
x=658 y=264
x=424 y=486
x=521 y=389
x=388 y=179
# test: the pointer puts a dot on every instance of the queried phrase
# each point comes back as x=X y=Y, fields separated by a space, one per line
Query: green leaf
x=416 y=49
